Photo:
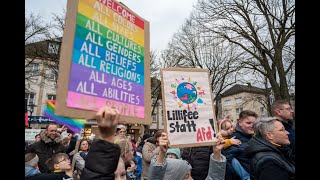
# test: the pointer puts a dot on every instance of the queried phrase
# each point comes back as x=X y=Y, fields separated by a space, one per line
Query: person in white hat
x=31 y=164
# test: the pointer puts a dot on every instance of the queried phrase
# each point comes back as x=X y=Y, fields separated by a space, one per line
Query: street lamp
x=31 y=109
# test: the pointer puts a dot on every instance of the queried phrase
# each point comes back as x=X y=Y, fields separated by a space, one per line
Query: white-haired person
x=162 y=168
x=31 y=164
x=121 y=130
x=268 y=160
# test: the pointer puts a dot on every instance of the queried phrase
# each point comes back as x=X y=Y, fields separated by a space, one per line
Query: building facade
x=243 y=97
x=40 y=79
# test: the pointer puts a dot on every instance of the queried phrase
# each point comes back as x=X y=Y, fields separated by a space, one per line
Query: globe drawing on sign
x=187 y=93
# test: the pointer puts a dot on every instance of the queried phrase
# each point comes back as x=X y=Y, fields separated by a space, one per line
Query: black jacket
x=198 y=158
x=292 y=138
x=50 y=176
x=268 y=162
x=101 y=161
x=45 y=148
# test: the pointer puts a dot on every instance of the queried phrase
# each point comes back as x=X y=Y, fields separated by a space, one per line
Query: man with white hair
x=268 y=160
x=121 y=130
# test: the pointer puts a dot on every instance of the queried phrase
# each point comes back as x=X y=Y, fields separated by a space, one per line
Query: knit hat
x=175 y=151
x=32 y=162
x=120 y=126
x=176 y=169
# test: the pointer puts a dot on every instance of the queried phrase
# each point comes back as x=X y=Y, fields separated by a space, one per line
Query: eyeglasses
x=65 y=159
x=288 y=109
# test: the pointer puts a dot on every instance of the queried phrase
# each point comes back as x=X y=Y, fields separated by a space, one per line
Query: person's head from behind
x=51 y=131
x=120 y=173
x=59 y=161
x=178 y=169
x=282 y=110
x=126 y=148
x=84 y=145
x=37 y=138
x=272 y=130
x=226 y=126
x=173 y=153
x=31 y=159
x=246 y=120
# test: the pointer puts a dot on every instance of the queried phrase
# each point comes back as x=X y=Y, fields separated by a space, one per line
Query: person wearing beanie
x=31 y=164
x=163 y=168
x=173 y=153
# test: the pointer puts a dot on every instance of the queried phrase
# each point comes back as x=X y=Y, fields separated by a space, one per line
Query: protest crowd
x=254 y=148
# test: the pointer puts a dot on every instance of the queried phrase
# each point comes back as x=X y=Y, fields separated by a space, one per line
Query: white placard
x=29 y=134
x=188 y=110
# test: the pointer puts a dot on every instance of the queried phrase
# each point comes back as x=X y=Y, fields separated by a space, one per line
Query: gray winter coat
x=176 y=169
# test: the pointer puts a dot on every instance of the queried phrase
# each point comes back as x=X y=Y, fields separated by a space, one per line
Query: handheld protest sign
x=104 y=60
x=187 y=107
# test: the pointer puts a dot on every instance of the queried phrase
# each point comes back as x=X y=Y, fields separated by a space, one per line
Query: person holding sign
x=163 y=168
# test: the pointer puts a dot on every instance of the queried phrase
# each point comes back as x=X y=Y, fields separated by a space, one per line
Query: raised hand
x=164 y=142
x=107 y=120
x=218 y=147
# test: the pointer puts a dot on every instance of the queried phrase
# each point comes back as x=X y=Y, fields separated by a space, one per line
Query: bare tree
x=263 y=29
x=39 y=38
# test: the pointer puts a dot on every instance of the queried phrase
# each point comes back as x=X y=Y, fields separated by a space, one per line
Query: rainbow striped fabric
x=74 y=125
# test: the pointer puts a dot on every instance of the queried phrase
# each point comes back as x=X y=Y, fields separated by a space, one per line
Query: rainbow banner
x=107 y=59
x=74 y=125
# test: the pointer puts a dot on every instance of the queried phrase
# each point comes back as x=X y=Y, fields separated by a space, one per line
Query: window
x=51 y=97
x=238 y=100
x=227 y=102
x=30 y=98
x=154 y=118
x=53 y=48
x=238 y=110
x=32 y=69
x=52 y=75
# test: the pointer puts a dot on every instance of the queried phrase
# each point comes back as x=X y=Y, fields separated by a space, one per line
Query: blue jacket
x=238 y=151
x=30 y=171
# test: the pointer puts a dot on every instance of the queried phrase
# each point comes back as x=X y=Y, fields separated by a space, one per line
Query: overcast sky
x=165 y=16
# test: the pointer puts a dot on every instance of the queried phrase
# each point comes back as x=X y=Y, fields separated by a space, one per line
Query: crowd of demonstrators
x=283 y=111
x=255 y=149
x=269 y=160
x=237 y=162
x=49 y=144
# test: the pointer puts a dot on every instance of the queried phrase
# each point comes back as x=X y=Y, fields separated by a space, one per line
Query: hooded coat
x=269 y=162
x=176 y=169
x=45 y=148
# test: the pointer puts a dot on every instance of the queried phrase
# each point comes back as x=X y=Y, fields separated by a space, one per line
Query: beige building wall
x=234 y=104
x=41 y=87
x=157 y=119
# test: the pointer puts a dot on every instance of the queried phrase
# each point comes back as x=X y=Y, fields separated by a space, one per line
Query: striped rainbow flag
x=74 y=125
